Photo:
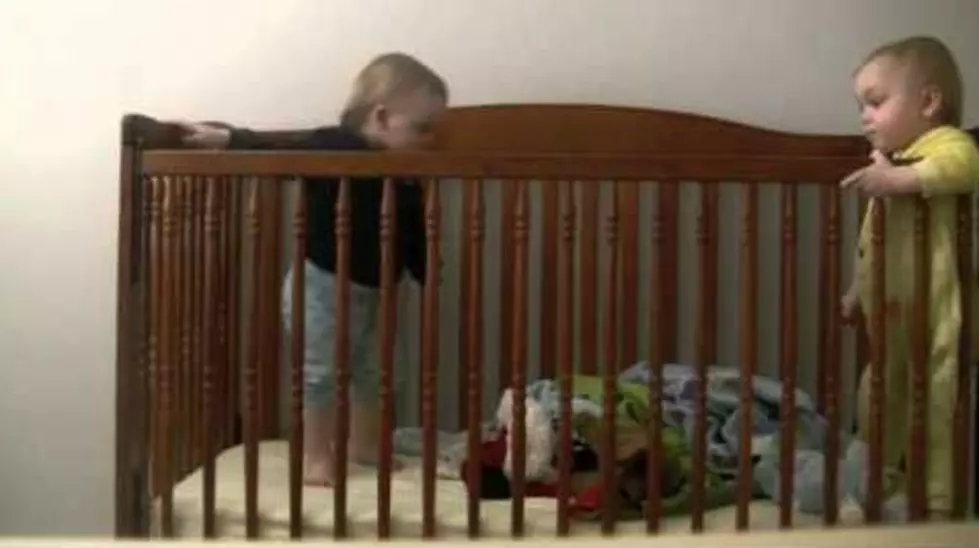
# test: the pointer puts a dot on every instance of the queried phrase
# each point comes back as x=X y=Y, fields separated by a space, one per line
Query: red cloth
x=492 y=454
x=588 y=499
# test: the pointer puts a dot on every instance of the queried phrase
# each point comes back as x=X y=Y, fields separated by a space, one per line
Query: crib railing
x=200 y=337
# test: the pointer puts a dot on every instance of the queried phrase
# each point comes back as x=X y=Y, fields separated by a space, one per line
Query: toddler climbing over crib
x=394 y=104
x=910 y=98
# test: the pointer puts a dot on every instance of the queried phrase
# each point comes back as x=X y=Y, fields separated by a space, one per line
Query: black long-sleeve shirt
x=365 y=211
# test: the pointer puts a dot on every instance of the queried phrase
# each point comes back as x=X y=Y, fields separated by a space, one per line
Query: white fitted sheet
x=406 y=492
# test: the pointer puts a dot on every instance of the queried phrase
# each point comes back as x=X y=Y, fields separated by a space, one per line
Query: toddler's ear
x=933 y=101
x=381 y=116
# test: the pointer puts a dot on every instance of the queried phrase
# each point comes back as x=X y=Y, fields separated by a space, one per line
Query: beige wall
x=71 y=69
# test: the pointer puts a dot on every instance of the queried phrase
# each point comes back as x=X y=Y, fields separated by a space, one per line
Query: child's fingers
x=879 y=158
x=852 y=178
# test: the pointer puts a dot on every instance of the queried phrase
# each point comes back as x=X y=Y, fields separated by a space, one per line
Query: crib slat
x=297 y=347
x=388 y=319
x=232 y=376
x=169 y=350
x=863 y=352
x=465 y=260
x=183 y=282
x=917 y=451
x=209 y=338
x=961 y=448
x=154 y=343
x=272 y=377
x=548 y=290
x=657 y=350
x=253 y=364
x=429 y=372
x=565 y=352
x=588 y=279
x=199 y=192
x=705 y=318
x=831 y=365
x=341 y=360
x=146 y=402
x=878 y=322
x=508 y=206
x=629 y=194
x=788 y=358
x=518 y=359
x=221 y=297
x=669 y=207
x=610 y=370
x=749 y=349
x=474 y=361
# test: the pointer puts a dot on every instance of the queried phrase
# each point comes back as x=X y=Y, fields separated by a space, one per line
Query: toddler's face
x=410 y=122
x=892 y=108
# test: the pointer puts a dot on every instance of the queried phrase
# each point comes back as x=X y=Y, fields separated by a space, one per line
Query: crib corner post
x=131 y=504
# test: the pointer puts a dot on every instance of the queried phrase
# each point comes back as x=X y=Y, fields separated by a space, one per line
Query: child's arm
x=951 y=168
x=223 y=136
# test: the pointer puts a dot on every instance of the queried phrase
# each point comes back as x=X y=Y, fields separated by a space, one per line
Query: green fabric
x=632 y=411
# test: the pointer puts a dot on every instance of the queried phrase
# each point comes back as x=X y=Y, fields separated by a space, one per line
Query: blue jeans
x=320 y=337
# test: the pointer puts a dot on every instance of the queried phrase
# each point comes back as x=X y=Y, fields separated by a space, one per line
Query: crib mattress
x=406 y=514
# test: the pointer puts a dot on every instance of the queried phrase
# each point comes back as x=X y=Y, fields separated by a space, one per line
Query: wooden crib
x=613 y=226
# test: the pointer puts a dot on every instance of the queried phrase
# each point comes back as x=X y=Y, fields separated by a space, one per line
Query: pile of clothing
x=632 y=421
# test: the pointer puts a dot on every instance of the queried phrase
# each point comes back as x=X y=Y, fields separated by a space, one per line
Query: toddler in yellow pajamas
x=910 y=98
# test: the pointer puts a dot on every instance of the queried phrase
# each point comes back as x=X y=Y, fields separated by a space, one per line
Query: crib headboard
x=597 y=129
x=571 y=128
x=567 y=130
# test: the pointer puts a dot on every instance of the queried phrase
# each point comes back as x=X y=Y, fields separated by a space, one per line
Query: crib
x=577 y=243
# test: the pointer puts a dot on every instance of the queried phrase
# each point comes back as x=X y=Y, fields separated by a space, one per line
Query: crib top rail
x=540 y=141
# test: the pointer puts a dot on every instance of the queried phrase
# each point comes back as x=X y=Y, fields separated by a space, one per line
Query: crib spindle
x=341 y=360
x=588 y=279
x=657 y=346
x=474 y=361
x=831 y=365
x=565 y=352
x=629 y=204
x=917 y=451
x=508 y=206
x=705 y=318
x=272 y=374
x=169 y=354
x=465 y=258
x=749 y=350
x=221 y=330
x=669 y=206
x=145 y=374
x=518 y=358
x=154 y=348
x=548 y=290
x=388 y=318
x=297 y=348
x=251 y=423
x=183 y=310
x=430 y=355
x=963 y=414
x=199 y=187
x=210 y=348
x=878 y=322
x=787 y=358
x=233 y=289
x=610 y=371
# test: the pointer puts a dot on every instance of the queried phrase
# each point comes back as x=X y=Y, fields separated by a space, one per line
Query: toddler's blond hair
x=385 y=78
x=931 y=64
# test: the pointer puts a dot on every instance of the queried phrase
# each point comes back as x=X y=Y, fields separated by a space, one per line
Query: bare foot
x=319 y=473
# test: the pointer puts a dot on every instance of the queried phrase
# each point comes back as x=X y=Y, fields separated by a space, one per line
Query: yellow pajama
x=948 y=166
